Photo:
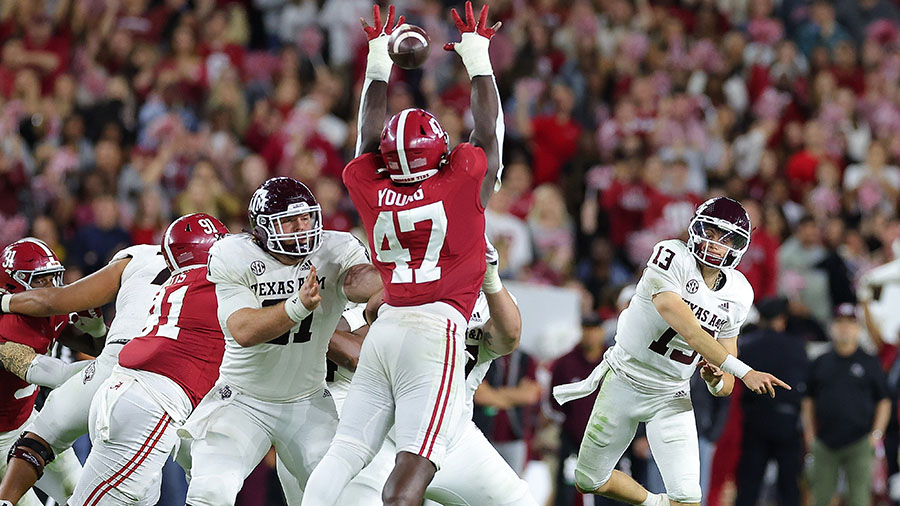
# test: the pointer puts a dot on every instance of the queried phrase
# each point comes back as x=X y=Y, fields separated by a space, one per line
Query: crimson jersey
x=17 y=395
x=427 y=237
x=182 y=339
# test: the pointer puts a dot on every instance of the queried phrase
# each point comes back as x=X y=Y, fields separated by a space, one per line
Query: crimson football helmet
x=26 y=259
x=413 y=146
x=187 y=241
x=275 y=203
x=724 y=222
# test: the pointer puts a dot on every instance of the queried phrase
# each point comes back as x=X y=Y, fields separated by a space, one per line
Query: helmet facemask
x=706 y=231
x=25 y=278
x=296 y=244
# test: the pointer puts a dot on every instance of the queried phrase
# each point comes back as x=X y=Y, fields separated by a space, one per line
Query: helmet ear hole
x=422 y=129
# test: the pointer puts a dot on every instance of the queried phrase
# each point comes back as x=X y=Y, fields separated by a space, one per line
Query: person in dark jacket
x=771 y=427
x=845 y=413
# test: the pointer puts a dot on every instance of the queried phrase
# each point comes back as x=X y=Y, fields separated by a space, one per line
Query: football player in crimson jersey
x=132 y=279
x=280 y=290
x=422 y=206
x=690 y=301
x=473 y=472
x=161 y=376
x=30 y=264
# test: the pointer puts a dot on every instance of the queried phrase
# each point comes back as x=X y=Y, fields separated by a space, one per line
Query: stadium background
x=118 y=115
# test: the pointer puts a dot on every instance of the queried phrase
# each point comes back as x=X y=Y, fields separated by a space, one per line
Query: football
x=409 y=46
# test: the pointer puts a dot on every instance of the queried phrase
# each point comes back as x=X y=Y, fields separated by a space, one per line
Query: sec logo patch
x=257 y=267
x=692 y=286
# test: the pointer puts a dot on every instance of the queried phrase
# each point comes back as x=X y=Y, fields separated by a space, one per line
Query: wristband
x=716 y=389
x=491 y=283
x=473 y=49
x=295 y=309
x=378 y=62
x=732 y=365
x=4 y=302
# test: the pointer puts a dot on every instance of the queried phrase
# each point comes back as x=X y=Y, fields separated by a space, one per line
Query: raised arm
x=373 y=99
x=485 y=102
x=93 y=291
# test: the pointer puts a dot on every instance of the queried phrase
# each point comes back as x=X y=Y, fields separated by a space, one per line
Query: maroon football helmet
x=187 y=241
x=275 y=202
x=414 y=146
x=25 y=260
x=722 y=221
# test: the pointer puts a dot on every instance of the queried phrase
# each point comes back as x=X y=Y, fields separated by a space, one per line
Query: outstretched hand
x=378 y=29
x=470 y=26
x=763 y=382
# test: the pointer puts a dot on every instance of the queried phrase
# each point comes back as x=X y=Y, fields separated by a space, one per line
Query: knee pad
x=587 y=484
x=685 y=492
x=31 y=451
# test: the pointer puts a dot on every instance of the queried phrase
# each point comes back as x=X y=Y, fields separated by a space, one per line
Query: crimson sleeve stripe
x=437 y=399
x=450 y=337
x=136 y=455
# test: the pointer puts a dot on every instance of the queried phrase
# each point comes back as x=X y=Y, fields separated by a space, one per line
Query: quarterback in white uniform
x=132 y=278
x=281 y=291
x=690 y=301
x=473 y=472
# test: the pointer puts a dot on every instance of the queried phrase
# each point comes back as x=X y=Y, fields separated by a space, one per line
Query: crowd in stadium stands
x=621 y=117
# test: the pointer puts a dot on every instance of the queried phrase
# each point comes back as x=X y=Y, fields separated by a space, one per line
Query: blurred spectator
x=800 y=279
x=506 y=406
x=822 y=29
x=845 y=413
x=96 y=242
x=873 y=186
x=552 y=233
x=760 y=262
x=553 y=136
x=571 y=367
x=771 y=427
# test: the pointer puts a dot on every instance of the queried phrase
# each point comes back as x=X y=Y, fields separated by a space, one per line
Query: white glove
x=475 y=40
x=378 y=62
x=90 y=322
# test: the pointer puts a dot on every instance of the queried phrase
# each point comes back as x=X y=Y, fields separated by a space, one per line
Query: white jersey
x=291 y=366
x=338 y=378
x=478 y=356
x=648 y=353
x=141 y=279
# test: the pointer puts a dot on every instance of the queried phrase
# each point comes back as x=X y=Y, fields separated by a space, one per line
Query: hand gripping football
x=409 y=46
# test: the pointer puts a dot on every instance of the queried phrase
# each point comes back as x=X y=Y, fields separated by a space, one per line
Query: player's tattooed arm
x=503 y=329
x=16 y=358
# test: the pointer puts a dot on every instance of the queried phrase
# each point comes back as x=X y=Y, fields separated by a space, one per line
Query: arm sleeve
x=52 y=372
x=732 y=327
x=232 y=293
x=664 y=269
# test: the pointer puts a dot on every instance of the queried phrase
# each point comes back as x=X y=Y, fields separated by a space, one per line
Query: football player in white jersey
x=473 y=473
x=690 y=301
x=132 y=278
x=281 y=290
